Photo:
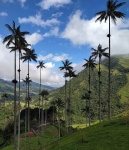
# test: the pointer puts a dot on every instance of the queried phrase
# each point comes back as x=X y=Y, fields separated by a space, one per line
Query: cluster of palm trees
x=16 y=42
x=69 y=72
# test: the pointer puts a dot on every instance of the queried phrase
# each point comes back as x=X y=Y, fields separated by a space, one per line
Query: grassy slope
x=111 y=135
x=108 y=135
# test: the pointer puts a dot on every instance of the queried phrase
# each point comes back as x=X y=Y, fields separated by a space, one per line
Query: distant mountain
x=8 y=87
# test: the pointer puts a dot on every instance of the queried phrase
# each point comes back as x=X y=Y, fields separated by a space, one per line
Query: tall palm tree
x=99 y=52
x=59 y=103
x=90 y=64
x=16 y=38
x=28 y=56
x=41 y=66
x=43 y=94
x=70 y=74
x=110 y=13
x=66 y=66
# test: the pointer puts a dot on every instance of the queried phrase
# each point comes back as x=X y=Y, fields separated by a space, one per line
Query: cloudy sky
x=59 y=30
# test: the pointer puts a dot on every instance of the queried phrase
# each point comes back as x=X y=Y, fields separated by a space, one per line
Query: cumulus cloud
x=3 y=14
x=34 y=38
x=46 y=4
x=49 y=74
x=53 y=32
x=37 y=20
x=86 y=32
x=52 y=57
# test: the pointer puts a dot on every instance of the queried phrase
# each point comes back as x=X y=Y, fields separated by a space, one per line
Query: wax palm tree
x=90 y=64
x=43 y=94
x=16 y=38
x=99 y=52
x=70 y=74
x=60 y=104
x=110 y=13
x=66 y=66
x=28 y=56
x=41 y=66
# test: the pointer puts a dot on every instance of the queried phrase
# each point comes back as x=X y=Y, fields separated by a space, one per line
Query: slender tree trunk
x=109 y=77
x=28 y=100
x=86 y=115
x=65 y=108
x=99 y=74
x=70 y=118
x=19 y=107
x=39 y=96
x=15 y=105
x=42 y=115
x=26 y=111
x=58 y=123
x=89 y=97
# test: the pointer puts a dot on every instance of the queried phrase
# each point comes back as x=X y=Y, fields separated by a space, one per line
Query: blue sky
x=59 y=30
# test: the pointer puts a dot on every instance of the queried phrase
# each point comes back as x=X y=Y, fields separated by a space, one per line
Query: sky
x=59 y=30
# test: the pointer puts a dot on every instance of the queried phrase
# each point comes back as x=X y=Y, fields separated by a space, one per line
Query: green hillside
x=108 y=135
x=119 y=89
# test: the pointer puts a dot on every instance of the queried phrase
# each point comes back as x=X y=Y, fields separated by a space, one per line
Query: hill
x=79 y=86
x=107 y=135
x=8 y=87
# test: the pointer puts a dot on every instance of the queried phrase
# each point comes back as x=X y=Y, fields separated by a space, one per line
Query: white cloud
x=52 y=32
x=34 y=38
x=3 y=14
x=37 y=20
x=61 y=57
x=55 y=58
x=86 y=32
x=49 y=74
x=46 y=4
x=22 y=2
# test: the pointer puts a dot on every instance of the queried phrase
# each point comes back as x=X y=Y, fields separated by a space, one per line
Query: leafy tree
x=110 y=13
x=99 y=52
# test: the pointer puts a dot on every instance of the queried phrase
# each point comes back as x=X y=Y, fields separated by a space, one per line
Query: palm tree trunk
x=109 y=77
x=26 y=111
x=66 y=106
x=89 y=96
x=39 y=95
x=58 y=123
x=15 y=107
x=42 y=116
x=19 y=107
x=99 y=94
x=28 y=100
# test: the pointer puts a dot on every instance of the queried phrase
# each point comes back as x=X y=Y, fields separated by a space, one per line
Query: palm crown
x=111 y=11
x=99 y=52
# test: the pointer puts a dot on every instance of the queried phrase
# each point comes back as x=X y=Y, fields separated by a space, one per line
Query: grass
x=107 y=135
